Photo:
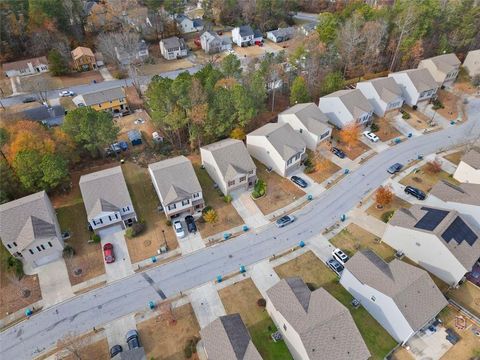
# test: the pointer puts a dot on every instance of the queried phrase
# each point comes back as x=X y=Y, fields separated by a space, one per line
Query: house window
x=196 y=195
x=101 y=221
x=31 y=251
x=50 y=244
x=250 y=172
x=172 y=207
x=324 y=135
x=373 y=298
x=116 y=216
x=185 y=202
x=94 y=222
x=243 y=178
x=9 y=246
x=109 y=218
x=301 y=131
x=43 y=247
x=14 y=243
x=231 y=183
x=38 y=248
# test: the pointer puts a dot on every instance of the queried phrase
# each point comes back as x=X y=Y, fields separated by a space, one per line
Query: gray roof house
x=444 y=68
x=49 y=116
x=278 y=146
x=229 y=165
x=107 y=201
x=308 y=28
x=472 y=62
x=281 y=34
x=468 y=170
x=139 y=56
x=384 y=94
x=442 y=241
x=177 y=186
x=188 y=25
x=243 y=35
x=309 y=121
x=213 y=43
x=401 y=297
x=112 y=99
x=314 y=324
x=417 y=85
x=30 y=231
x=227 y=338
x=464 y=198
x=173 y=48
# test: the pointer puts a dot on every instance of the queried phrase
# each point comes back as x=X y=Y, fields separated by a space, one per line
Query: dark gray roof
x=246 y=30
x=197 y=22
x=131 y=354
x=411 y=288
x=444 y=63
x=309 y=26
x=472 y=158
x=283 y=32
x=353 y=99
x=386 y=88
x=421 y=79
x=174 y=42
x=98 y=97
x=51 y=116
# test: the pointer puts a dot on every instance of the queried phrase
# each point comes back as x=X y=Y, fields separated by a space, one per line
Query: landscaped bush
x=168 y=222
x=260 y=189
x=433 y=167
x=374 y=127
x=190 y=347
x=228 y=199
x=206 y=209
x=261 y=302
x=16 y=266
x=68 y=251
x=386 y=216
x=210 y=216
x=309 y=166
x=95 y=238
x=135 y=230
x=437 y=104
x=406 y=115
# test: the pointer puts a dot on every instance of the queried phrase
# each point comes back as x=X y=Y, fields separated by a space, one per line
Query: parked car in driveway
x=338 y=152
x=370 y=136
x=108 y=253
x=65 y=93
x=335 y=266
x=419 y=194
x=299 y=181
x=395 y=168
x=190 y=221
x=177 y=226
x=132 y=340
x=115 y=350
x=340 y=256
x=123 y=145
x=285 y=220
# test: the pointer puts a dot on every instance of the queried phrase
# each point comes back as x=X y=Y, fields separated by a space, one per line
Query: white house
x=281 y=34
x=140 y=54
x=383 y=94
x=229 y=165
x=346 y=106
x=187 y=25
x=314 y=324
x=444 y=68
x=107 y=201
x=417 y=85
x=472 y=63
x=213 y=43
x=177 y=186
x=442 y=241
x=277 y=146
x=468 y=171
x=173 y=48
x=401 y=297
x=26 y=67
x=243 y=35
x=309 y=121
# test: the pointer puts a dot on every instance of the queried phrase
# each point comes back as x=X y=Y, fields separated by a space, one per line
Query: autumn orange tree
x=383 y=196
x=350 y=134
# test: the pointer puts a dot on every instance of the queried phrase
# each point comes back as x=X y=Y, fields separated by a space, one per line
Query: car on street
x=108 y=253
x=285 y=220
x=340 y=256
x=335 y=266
x=419 y=194
x=191 y=226
x=370 y=136
x=299 y=181
x=395 y=168
x=338 y=152
x=29 y=99
x=66 y=93
x=115 y=350
x=177 y=226
x=132 y=340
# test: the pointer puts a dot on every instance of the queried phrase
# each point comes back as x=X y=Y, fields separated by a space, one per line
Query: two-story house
x=83 y=59
x=401 y=297
x=30 y=231
x=442 y=241
x=278 y=147
x=417 y=85
x=26 y=67
x=310 y=122
x=243 y=35
x=113 y=100
x=177 y=186
x=472 y=63
x=173 y=48
x=229 y=164
x=383 y=94
x=468 y=170
x=188 y=25
x=346 y=106
x=107 y=201
x=213 y=43
x=443 y=68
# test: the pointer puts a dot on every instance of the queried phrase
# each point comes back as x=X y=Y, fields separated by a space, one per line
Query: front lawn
x=386 y=131
x=354 y=150
x=417 y=119
x=323 y=168
x=425 y=180
x=395 y=204
x=449 y=102
x=455 y=157
x=467 y=295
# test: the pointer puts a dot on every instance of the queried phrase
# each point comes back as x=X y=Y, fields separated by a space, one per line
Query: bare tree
x=350 y=41
x=405 y=24
x=374 y=33
x=120 y=48
x=40 y=87
x=167 y=313
x=74 y=345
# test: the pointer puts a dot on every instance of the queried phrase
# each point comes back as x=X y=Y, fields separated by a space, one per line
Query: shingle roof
x=466 y=193
x=288 y=31
x=445 y=63
x=283 y=138
x=324 y=325
x=232 y=158
x=51 y=116
x=81 y=51
x=421 y=79
x=227 y=338
x=175 y=178
x=464 y=243
x=410 y=287
x=26 y=219
x=174 y=42
x=23 y=64
x=104 y=190
x=134 y=134
x=246 y=30
x=98 y=97
x=353 y=99
x=387 y=89
x=472 y=158
x=310 y=116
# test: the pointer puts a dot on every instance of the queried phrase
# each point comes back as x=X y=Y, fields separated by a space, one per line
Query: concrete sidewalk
x=54 y=283
x=263 y=276
x=369 y=223
x=206 y=304
x=248 y=210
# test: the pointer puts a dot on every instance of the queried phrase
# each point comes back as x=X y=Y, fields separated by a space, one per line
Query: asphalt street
x=100 y=306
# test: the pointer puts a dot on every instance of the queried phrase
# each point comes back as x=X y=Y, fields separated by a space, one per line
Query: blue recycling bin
x=28 y=312
x=219 y=278
x=154 y=259
x=410 y=135
x=242 y=269
x=420 y=157
x=226 y=236
x=398 y=140
x=343 y=217
x=301 y=244
x=452 y=122
x=245 y=228
x=151 y=305
x=346 y=171
x=309 y=197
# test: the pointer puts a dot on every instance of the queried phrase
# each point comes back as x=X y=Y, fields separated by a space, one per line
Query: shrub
x=118 y=74
x=262 y=302
x=228 y=199
x=374 y=127
x=406 y=115
x=309 y=166
x=15 y=265
x=437 y=104
x=168 y=222
x=386 y=216
x=135 y=230
x=383 y=195
x=68 y=251
x=206 y=209
x=310 y=286
x=190 y=347
x=210 y=216
x=433 y=167
x=95 y=238
x=260 y=189
x=129 y=233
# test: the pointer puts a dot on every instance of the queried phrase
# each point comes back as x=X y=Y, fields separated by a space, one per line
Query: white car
x=65 y=93
x=370 y=136
x=177 y=226
x=139 y=121
x=156 y=137
x=340 y=256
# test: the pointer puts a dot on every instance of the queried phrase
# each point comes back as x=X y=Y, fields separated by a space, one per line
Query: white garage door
x=109 y=230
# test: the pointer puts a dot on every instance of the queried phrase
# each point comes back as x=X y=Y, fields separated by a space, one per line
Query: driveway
x=190 y=242
x=117 y=329
x=264 y=276
x=206 y=304
x=378 y=146
x=122 y=266
x=54 y=283
x=313 y=188
x=248 y=210
x=321 y=247
x=405 y=127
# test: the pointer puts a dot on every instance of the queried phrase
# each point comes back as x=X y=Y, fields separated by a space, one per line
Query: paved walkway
x=321 y=247
x=359 y=217
x=122 y=266
x=190 y=242
x=248 y=210
x=378 y=146
x=206 y=304
x=117 y=329
x=13 y=81
x=106 y=74
x=54 y=283
x=264 y=276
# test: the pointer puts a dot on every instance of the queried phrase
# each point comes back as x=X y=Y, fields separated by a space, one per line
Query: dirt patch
x=425 y=180
x=5 y=86
x=449 y=102
x=127 y=123
x=455 y=157
x=395 y=204
x=324 y=168
x=467 y=295
x=353 y=151
x=98 y=350
x=133 y=99
x=465 y=86
x=417 y=119
x=81 y=78
x=67 y=103
x=162 y=65
x=386 y=130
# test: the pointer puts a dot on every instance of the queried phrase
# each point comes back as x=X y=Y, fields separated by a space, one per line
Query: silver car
x=285 y=220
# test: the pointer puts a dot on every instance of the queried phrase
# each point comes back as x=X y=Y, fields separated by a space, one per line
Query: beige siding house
x=314 y=324
x=229 y=164
x=444 y=68
x=383 y=94
x=29 y=230
x=472 y=62
x=468 y=171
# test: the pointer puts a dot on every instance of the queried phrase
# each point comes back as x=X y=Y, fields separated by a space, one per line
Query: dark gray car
x=132 y=340
x=395 y=168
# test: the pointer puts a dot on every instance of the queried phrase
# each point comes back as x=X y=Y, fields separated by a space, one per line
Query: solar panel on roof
x=459 y=231
x=431 y=219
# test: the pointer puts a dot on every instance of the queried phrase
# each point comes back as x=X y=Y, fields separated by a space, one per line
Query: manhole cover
x=147 y=243
x=78 y=272
x=26 y=293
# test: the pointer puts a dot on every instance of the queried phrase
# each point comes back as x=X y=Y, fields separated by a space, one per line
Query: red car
x=108 y=253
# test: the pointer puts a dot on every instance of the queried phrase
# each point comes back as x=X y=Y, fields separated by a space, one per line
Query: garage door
x=48 y=258
x=109 y=230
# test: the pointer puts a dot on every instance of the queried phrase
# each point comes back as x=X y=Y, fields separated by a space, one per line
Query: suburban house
x=229 y=165
x=464 y=198
x=29 y=230
x=472 y=62
x=104 y=100
x=281 y=34
x=468 y=171
x=309 y=121
x=83 y=59
x=187 y=25
x=213 y=43
x=243 y=35
x=177 y=186
x=308 y=28
x=277 y=146
x=401 y=297
x=346 y=106
x=49 y=116
x=383 y=93
x=227 y=338
x=314 y=324
x=257 y=36
x=442 y=241
x=417 y=85
x=173 y=48
x=140 y=54
x=26 y=67
x=444 y=68
x=107 y=201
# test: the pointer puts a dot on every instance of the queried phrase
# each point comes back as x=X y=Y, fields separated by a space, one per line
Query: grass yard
x=417 y=119
x=242 y=298
x=81 y=78
x=386 y=130
x=425 y=180
x=98 y=350
x=354 y=238
x=67 y=103
x=324 y=168
x=87 y=262
x=313 y=271
x=164 y=341
x=455 y=157
x=396 y=203
x=163 y=65
x=352 y=151
x=145 y=202
x=280 y=191
x=467 y=295
x=449 y=101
